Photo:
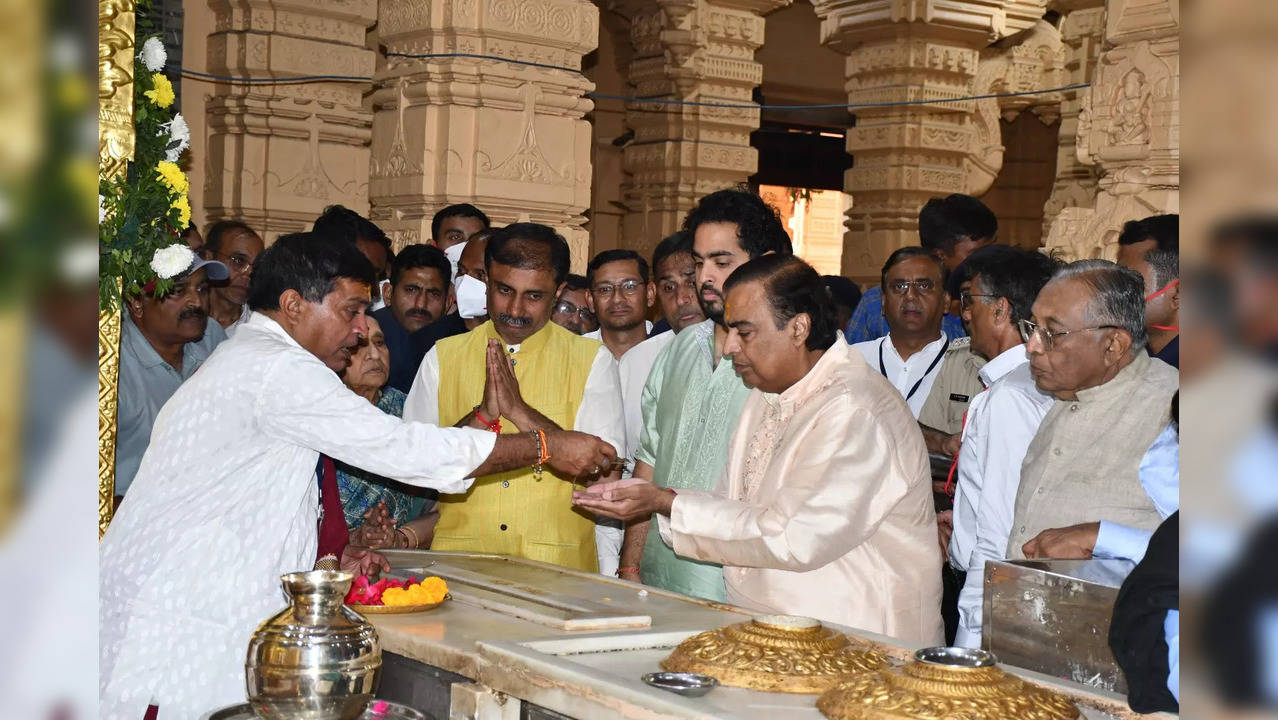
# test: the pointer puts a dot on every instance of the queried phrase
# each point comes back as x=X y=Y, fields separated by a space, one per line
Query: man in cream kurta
x=824 y=508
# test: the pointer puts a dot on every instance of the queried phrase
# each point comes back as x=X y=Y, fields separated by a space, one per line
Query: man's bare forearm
x=509 y=452
x=528 y=419
x=934 y=439
x=632 y=543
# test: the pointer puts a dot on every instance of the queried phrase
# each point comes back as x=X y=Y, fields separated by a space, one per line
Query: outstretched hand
x=579 y=454
x=629 y=499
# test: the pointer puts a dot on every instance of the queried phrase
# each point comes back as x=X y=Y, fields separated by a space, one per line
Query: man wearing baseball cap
x=163 y=341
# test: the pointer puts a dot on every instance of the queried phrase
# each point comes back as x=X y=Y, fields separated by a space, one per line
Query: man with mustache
x=164 y=339
x=235 y=245
x=692 y=398
x=420 y=282
x=824 y=506
x=227 y=500
x=543 y=378
x=914 y=301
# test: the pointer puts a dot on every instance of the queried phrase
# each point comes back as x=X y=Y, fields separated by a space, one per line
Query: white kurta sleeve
x=600 y=412
x=305 y=403
x=837 y=492
x=422 y=403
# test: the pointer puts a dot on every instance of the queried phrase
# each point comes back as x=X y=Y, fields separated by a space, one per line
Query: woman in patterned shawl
x=380 y=512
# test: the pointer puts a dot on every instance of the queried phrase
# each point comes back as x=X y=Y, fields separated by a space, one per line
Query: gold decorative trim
x=794 y=657
x=921 y=691
x=115 y=148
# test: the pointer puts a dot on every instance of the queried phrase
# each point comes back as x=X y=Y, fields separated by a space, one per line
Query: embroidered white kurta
x=825 y=506
x=226 y=501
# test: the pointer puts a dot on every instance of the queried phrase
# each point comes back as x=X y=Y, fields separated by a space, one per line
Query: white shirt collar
x=929 y=350
x=1002 y=364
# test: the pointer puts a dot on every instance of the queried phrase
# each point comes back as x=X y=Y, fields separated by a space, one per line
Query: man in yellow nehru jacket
x=519 y=372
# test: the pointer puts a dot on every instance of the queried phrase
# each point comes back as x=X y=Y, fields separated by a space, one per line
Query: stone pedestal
x=922 y=52
x=691 y=50
x=507 y=137
x=276 y=155
x=1128 y=129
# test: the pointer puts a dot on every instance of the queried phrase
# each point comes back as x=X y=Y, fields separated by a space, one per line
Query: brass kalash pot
x=317 y=659
x=775 y=653
x=942 y=683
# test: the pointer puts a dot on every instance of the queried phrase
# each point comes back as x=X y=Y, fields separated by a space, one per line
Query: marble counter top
x=595 y=672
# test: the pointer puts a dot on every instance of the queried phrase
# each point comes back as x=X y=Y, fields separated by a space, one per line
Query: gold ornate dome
x=775 y=653
x=942 y=683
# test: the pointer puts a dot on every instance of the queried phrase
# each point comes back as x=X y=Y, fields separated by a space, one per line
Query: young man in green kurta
x=692 y=400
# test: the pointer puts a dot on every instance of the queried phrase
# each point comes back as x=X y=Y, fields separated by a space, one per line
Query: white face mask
x=453 y=253
x=472 y=297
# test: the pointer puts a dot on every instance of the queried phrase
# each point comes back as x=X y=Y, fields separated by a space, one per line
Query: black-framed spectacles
x=567 y=308
x=965 y=298
x=1046 y=337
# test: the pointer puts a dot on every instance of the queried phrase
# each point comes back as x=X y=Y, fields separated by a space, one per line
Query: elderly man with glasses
x=1081 y=489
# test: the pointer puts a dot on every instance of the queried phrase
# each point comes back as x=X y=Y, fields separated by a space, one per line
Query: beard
x=712 y=308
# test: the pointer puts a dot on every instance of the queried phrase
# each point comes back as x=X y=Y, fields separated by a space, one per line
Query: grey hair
x=1118 y=296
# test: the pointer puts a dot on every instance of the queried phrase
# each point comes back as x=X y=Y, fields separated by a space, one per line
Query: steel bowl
x=686 y=684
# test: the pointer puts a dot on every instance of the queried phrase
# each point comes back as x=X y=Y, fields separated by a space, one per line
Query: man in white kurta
x=824 y=508
x=184 y=581
x=226 y=499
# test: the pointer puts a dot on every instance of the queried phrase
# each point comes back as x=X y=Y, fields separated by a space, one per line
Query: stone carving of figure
x=1130 y=115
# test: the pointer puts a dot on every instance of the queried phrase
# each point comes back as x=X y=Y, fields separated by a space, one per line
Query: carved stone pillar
x=1082 y=28
x=508 y=138
x=278 y=154
x=695 y=50
x=909 y=51
x=1128 y=128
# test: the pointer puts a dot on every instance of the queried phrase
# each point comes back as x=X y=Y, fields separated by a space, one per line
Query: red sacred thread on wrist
x=494 y=425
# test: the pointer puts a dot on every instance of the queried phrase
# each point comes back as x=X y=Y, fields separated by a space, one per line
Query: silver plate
x=955 y=657
x=686 y=684
x=376 y=710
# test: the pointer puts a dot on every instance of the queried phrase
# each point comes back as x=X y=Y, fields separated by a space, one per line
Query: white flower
x=180 y=133
x=171 y=261
x=153 y=55
x=101 y=210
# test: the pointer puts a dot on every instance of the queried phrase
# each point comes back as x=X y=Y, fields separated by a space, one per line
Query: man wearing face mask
x=469 y=294
x=165 y=338
x=453 y=226
x=519 y=372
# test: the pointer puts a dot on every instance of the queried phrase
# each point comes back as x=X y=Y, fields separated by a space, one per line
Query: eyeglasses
x=965 y=298
x=628 y=288
x=923 y=286
x=1046 y=337
x=237 y=261
x=566 y=308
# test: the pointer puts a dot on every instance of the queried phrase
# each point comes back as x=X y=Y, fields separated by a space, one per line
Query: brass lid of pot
x=941 y=683
x=775 y=653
